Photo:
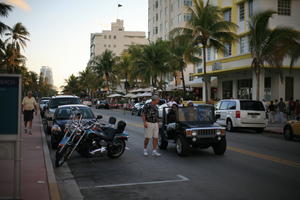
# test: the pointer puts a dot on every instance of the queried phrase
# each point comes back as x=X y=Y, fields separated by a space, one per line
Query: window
x=187 y=17
x=227 y=50
x=208 y=54
x=289 y=88
x=105 y=36
x=155 y=31
x=188 y=2
x=161 y=28
x=244 y=45
x=284 y=7
x=224 y=105
x=156 y=4
x=115 y=37
x=166 y=11
x=252 y=105
x=191 y=77
x=242 y=12
x=178 y=3
x=109 y=46
x=244 y=89
x=105 y=45
x=171 y=8
x=227 y=15
x=227 y=88
x=178 y=18
x=250 y=8
x=114 y=46
x=231 y=105
x=109 y=37
x=156 y=17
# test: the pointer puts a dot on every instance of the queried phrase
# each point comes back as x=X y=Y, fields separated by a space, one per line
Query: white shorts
x=152 y=130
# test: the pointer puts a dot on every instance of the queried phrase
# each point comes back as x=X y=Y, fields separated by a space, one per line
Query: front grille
x=207 y=132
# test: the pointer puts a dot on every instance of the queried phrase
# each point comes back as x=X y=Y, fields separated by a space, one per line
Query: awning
x=216 y=72
x=129 y=95
x=114 y=95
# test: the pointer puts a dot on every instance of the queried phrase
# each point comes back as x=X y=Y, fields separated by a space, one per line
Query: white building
x=163 y=16
x=46 y=72
x=116 y=39
x=232 y=71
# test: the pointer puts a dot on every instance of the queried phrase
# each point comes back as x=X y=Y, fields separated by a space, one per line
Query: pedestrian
x=29 y=106
x=291 y=108
x=281 y=110
x=171 y=102
x=271 y=110
x=297 y=109
x=151 y=125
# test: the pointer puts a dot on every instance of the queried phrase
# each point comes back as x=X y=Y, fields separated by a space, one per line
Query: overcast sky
x=60 y=29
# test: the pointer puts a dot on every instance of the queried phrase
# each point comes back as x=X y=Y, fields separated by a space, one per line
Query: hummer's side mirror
x=218 y=116
x=99 y=117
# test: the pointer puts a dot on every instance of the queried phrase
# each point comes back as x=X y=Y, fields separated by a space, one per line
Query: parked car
x=292 y=129
x=87 y=102
x=137 y=109
x=192 y=127
x=102 y=104
x=42 y=105
x=235 y=113
x=53 y=105
x=62 y=117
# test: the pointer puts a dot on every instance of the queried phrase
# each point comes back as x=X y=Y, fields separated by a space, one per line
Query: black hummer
x=192 y=127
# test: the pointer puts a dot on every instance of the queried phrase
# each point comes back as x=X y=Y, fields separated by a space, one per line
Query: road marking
x=181 y=179
x=265 y=157
x=251 y=153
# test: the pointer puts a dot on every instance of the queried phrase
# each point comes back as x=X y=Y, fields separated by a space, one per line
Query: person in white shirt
x=29 y=106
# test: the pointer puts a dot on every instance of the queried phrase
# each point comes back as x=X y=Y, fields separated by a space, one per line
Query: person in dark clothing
x=271 y=110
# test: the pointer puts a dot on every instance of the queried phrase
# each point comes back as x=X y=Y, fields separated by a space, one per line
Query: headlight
x=55 y=128
x=218 y=132
x=194 y=133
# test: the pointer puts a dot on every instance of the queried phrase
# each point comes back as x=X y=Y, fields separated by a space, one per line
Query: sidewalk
x=37 y=175
x=276 y=128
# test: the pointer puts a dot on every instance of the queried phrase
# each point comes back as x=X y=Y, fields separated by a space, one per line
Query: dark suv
x=53 y=105
x=192 y=127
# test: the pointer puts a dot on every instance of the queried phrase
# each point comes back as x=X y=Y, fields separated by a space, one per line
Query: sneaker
x=30 y=133
x=146 y=153
x=156 y=154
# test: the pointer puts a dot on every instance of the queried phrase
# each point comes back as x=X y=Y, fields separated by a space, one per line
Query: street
x=255 y=166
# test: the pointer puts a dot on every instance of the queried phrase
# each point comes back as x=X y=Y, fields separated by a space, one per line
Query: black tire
x=259 y=130
x=288 y=133
x=116 y=153
x=229 y=125
x=61 y=155
x=182 y=147
x=162 y=140
x=54 y=142
x=220 y=147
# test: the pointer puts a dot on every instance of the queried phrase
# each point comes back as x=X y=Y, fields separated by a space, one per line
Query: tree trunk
x=205 y=80
x=258 y=84
x=182 y=77
x=126 y=83
x=107 y=82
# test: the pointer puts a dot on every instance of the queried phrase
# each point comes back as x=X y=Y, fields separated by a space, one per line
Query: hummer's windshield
x=201 y=114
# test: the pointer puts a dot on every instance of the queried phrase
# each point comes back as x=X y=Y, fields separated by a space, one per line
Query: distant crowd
x=279 y=111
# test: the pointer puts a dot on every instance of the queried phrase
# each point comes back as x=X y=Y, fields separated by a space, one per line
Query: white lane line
x=181 y=179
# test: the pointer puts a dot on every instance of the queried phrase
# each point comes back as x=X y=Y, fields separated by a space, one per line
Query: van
x=235 y=113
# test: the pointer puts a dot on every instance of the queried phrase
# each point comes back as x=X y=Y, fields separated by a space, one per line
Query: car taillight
x=237 y=114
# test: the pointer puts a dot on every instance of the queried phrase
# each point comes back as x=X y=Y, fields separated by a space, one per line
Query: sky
x=60 y=29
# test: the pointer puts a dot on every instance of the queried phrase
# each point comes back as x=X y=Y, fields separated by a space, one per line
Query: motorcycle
x=92 y=138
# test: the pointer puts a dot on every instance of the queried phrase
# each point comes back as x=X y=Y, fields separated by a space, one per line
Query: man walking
x=150 y=118
x=281 y=108
x=29 y=106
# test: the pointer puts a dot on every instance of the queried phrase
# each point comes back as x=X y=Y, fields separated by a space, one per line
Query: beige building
x=116 y=39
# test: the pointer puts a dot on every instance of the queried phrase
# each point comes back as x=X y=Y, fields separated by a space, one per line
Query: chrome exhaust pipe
x=101 y=150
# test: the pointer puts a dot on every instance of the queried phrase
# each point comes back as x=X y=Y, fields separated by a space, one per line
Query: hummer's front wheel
x=220 y=147
x=182 y=147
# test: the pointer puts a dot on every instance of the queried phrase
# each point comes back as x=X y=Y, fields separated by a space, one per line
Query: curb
x=273 y=132
x=52 y=184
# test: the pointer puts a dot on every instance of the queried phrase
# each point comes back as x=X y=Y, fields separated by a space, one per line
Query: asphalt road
x=255 y=166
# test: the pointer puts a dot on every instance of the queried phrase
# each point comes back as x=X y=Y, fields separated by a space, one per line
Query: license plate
x=254 y=116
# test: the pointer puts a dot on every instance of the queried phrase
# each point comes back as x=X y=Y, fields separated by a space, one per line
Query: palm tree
x=271 y=46
x=72 y=85
x=183 y=51
x=103 y=65
x=209 y=29
x=151 y=62
x=18 y=36
x=89 y=81
x=123 y=69
x=4 y=10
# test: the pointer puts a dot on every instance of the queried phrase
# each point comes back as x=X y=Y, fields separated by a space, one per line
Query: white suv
x=234 y=113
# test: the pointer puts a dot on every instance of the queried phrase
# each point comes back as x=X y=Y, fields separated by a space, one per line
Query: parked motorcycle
x=92 y=139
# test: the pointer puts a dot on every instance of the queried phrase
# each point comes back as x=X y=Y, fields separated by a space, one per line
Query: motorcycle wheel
x=117 y=149
x=61 y=155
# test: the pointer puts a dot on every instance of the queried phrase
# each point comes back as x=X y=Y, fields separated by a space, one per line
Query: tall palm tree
x=271 y=46
x=72 y=85
x=18 y=36
x=208 y=29
x=184 y=51
x=123 y=69
x=4 y=10
x=103 y=65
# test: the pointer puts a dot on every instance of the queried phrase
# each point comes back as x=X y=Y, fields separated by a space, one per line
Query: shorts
x=152 y=130
x=28 y=115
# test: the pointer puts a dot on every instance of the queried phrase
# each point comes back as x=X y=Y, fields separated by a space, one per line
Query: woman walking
x=29 y=106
